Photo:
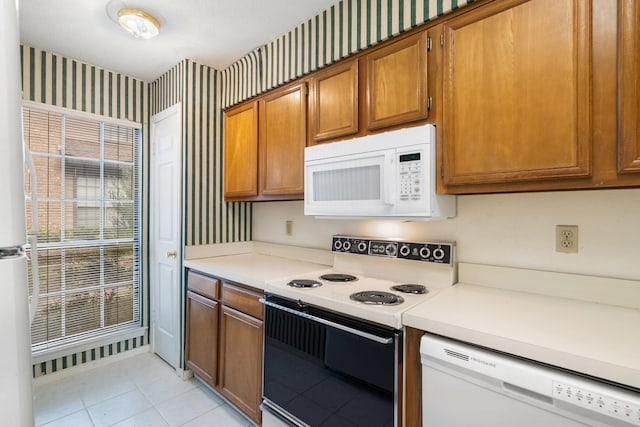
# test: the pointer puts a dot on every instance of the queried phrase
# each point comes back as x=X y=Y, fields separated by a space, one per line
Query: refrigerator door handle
x=11 y=252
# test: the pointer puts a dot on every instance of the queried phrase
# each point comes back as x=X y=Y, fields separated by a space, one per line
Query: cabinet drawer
x=203 y=285
x=242 y=299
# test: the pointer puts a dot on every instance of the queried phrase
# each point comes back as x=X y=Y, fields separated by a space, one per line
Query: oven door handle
x=329 y=323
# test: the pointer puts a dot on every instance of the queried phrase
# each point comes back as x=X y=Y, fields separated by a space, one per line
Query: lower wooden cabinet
x=202 y=337
x=241 y=361
x=224 y=339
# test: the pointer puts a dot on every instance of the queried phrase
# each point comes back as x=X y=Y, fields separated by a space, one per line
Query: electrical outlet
x=288 y=227
x=567 y=238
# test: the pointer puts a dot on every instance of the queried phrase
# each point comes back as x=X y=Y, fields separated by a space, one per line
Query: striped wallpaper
x=208 y=218
x=55 y=80
x=82 y=357
x=345 y=28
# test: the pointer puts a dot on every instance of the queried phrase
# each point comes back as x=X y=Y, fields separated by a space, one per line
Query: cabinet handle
x=173 y=254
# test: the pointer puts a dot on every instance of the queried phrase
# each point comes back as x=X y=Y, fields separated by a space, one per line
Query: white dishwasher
x=464 y=385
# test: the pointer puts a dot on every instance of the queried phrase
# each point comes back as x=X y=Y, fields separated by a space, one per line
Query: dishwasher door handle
x=325 y=322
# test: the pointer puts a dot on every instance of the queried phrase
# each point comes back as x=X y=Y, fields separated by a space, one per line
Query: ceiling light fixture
x=138 y=23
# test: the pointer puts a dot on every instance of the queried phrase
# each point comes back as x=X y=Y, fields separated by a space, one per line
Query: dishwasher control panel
x=439 y=253
x=596 y=401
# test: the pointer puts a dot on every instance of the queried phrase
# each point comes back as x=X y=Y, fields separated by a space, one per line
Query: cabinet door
x=240 y=378
x=283 y=127
x=397 y=83
x=202 y=337
x=628 y=87
x=517 y=93
x=334 y=102
x=241 y=151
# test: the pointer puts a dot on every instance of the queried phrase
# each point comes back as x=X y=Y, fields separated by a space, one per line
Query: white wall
x=516 y=230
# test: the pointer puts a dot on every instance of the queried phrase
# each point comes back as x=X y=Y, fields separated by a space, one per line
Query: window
x=88 y=176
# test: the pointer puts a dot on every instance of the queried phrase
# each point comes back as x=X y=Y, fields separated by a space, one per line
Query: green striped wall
x=59 y=81
x=208 y=218
x=56 y=80
x=82 y=357
x=345 y=28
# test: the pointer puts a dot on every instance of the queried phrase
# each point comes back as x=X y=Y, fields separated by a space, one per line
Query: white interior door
x=166 y=241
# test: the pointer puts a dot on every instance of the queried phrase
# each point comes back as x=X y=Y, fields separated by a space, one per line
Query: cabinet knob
x=172 y=254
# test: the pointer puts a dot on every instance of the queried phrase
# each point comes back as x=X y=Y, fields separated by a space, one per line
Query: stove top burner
x=377 y=298
x=411 y=288
x=335 y=277
x=304 y=283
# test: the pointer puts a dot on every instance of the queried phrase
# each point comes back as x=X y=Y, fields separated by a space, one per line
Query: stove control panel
x=439 y=253
x=432 y=252
x=383 y=248
x=354 y=245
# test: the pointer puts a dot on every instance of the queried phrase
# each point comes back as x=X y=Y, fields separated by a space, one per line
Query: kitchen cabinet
x=202 y=313
x=241 y=349
x=241 y=151
x=224 y=339
x=282 y=138
x=413 y=378
x=396 y=82
x=264 y=146
x=517 y=93
x=333 y=102
x=628 y=87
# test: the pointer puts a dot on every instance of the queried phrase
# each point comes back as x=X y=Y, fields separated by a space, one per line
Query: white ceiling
x=211 y=32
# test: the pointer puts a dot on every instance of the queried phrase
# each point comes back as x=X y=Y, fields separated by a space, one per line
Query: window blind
x=89 y=212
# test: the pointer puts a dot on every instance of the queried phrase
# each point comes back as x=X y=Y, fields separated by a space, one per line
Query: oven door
x=325 y=369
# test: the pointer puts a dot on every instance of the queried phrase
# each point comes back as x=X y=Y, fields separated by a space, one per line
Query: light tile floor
x=141 y=390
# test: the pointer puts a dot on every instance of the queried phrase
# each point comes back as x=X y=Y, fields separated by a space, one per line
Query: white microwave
x=387 y=175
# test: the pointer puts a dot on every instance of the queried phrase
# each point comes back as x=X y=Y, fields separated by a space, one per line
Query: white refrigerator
x=16 y=395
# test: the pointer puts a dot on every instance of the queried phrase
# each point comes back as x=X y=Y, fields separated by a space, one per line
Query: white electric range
x=394 y=275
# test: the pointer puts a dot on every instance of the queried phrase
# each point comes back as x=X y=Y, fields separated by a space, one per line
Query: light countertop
x=581 y=323
x=583 y=335
x=253 y=269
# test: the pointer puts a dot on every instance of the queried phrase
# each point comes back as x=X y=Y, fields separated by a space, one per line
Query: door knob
x=172 y=254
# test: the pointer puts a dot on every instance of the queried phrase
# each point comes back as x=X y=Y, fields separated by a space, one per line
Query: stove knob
x=438 y=253
x=425 y=252
x=346 y=245
x=391 y=249
x=362 y=247
x=404 y=250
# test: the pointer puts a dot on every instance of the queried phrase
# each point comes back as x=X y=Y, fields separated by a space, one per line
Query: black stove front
x=326 y=369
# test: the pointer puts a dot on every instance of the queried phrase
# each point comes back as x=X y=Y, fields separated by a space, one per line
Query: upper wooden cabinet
x=264 y=144
x=283 y=130
x=517 y=93
x=628 y=87
x=241 y=151
x=396 y=82
x=333 y=102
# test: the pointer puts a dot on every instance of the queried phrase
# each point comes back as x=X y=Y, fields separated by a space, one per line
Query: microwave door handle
x=389 y=178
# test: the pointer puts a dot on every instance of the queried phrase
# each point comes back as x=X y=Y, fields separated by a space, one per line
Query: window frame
x=103 y=335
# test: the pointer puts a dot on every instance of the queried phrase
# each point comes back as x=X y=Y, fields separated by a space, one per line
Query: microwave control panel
x=439 y=253
x=410 y=170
